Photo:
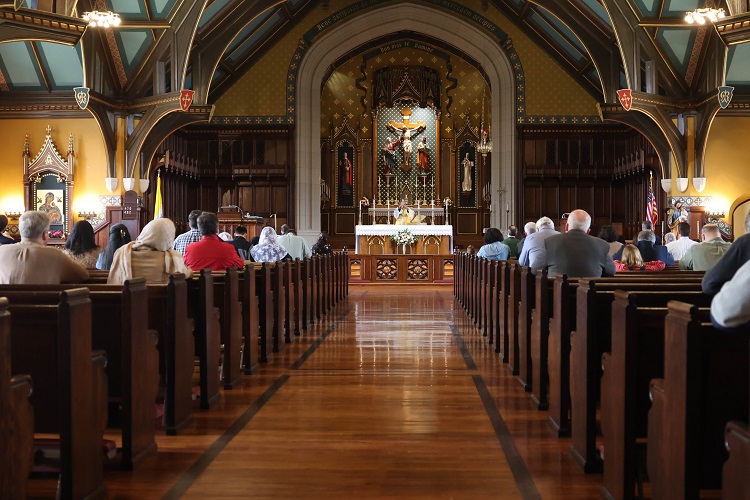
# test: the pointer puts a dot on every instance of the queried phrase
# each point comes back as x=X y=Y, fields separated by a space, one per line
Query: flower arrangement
x=447 y=202
x=55 y=234
x=364 y=202
x=404 y=237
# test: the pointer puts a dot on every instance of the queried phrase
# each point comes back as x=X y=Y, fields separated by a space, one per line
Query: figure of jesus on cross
x=408 y=130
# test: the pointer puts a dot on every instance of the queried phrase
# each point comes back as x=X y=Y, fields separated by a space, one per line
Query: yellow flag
x=158 y=205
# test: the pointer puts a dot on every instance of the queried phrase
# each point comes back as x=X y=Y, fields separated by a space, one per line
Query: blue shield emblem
x=725 y=96
x=82 y=96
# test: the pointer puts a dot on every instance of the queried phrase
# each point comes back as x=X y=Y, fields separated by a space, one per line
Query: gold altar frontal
x=377 y=259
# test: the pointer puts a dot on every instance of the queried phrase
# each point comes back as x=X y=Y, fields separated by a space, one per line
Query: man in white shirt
x=730 y=308
x=296 y=246
x=679 y=248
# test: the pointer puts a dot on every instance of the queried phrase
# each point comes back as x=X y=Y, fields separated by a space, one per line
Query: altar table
x=433 y=239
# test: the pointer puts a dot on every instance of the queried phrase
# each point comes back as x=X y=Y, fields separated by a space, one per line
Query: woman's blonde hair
x=631 y=256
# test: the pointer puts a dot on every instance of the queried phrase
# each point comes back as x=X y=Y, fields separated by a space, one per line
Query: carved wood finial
x=26 y=151
x=70 y=144
x=49 y=130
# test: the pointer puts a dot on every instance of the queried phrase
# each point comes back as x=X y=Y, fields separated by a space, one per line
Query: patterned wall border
x=701 y=201
x=473 y=17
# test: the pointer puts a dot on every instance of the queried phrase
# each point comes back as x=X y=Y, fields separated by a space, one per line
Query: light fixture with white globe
x=700 y=16
x=104 y=19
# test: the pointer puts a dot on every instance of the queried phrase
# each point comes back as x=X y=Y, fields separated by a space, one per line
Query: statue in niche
x=423 y=156
x=389 y=155
x=466 y=183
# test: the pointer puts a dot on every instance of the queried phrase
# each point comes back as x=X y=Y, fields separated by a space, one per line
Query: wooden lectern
x=231 y=217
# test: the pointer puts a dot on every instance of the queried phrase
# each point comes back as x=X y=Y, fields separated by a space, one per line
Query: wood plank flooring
x=394 y=394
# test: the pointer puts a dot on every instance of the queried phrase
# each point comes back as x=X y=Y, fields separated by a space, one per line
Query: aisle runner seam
x=310 y=350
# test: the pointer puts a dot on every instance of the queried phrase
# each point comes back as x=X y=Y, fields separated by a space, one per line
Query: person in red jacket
x=211 y=251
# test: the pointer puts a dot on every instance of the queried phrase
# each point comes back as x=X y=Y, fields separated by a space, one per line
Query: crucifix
x=407 y=129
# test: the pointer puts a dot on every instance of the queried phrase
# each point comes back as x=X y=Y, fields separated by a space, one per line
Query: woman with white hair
x=268 y=248
x=150 y=256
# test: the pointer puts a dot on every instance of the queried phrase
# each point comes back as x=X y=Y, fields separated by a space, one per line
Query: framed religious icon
x=48 y=185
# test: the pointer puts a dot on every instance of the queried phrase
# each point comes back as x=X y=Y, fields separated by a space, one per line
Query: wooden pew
x=558 y=352
x=526 y=302
x=494 y=305
x=207 y=333
x=168 y=315
x=69 y=396
x=319 y=293
x=299 y=298
x=266 y=307
x=514 y=293
x=248 y=286
x=591 y=338
x=16 y=419
x=735 y=478
x=279 y=305
x=290 y=320
x=120 y=328
x=227 y=301
x=636 y=356
x=502 y=340
x=705 y=385
x=539 y=345
x=308 y=313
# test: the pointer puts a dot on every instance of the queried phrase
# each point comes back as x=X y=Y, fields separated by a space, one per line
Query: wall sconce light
x=87 y=215
x=715 y=215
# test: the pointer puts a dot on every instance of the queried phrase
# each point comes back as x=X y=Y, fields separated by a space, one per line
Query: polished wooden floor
x=394 y=394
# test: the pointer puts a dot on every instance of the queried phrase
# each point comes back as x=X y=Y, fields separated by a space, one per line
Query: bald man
x=705 y=255
x=575 y=252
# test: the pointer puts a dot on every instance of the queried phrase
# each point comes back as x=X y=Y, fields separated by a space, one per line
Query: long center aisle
x=394 y=394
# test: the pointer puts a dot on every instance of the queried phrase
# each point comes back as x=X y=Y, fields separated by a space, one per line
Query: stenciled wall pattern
x=262 y=91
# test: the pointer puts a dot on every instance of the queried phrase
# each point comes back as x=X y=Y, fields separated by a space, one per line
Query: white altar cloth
x=391 y=229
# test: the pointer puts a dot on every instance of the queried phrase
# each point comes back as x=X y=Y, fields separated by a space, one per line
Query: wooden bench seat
x=226 y=296
x=119 y=327
x=704 y=386
x=207 y=332
x=16 y=419
x=52 y=343
x=590 y=339
x=636 y=355
x=248 y=290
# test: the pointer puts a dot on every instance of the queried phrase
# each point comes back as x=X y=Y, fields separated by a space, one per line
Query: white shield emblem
x=82 y=96
x=725 y=95
x=186 y=99
x=626 y=98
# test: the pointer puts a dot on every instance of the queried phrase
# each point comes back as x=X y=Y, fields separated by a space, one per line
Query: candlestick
x=432 y=212
x=388 y=211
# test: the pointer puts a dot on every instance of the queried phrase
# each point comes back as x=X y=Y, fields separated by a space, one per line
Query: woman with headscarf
x=268 y=248
x=81 y=245
x=150 y=256
x=118 y=236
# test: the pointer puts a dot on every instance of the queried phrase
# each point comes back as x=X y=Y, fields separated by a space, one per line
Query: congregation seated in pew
x=211 y=251
x=118 y=236
x=730 y=262
x=705 y=255
x=150 y=256
x=730 y=308
x=81 y=245
x=268 y=248
x=494 y=248
x=631 y=260
x=32 y=261
x=650 y=250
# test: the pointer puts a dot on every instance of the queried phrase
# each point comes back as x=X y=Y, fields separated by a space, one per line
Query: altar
x=376 y=239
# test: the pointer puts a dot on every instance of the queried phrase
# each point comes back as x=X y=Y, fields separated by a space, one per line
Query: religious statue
x=345 y=169
x=423 y=158
x=467 y=164
x=389 y=155
x=408 y=130
x=676 y=214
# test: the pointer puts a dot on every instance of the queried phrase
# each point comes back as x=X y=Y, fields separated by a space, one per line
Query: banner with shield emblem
x=82 y=96
x=725 y=95
x=186 y=99
x=626 y=98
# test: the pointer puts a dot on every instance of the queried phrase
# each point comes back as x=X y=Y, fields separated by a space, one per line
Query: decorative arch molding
x=477 y=37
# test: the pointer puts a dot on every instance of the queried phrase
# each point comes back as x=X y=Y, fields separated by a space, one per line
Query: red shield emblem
x=186 y=99
x=626 y=98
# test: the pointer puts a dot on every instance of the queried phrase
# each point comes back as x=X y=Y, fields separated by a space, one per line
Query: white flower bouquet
x=404 y=237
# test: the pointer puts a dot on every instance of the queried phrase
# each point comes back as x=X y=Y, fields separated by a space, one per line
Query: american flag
x=652 y=214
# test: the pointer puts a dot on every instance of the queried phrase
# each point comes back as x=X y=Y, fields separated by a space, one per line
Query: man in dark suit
x=575 y=252
x=649 y=249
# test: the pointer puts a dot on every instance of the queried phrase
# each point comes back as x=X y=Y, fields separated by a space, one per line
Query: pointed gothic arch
x=378 y=22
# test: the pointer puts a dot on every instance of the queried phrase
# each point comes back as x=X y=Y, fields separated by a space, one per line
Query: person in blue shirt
x=494 y=248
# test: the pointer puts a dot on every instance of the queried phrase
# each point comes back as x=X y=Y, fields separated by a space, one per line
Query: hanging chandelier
x=485 y=140
x=701 y=15
x=104 y=19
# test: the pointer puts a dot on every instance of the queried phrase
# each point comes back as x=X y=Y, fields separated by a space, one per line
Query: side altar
x=376 y=239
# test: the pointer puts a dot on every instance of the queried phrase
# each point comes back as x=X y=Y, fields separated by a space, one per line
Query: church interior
x=344 y=117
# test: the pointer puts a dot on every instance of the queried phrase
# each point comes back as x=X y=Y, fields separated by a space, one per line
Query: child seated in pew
x=150 y=256
x=631 y=260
